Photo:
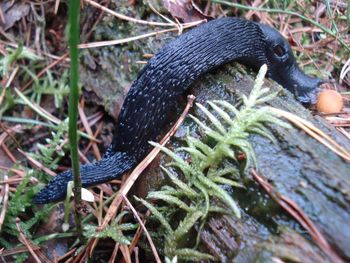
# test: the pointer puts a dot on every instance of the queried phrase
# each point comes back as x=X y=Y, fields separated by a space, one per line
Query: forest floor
x=117 y=38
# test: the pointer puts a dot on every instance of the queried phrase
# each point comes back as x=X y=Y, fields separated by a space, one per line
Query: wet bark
x=298 y=167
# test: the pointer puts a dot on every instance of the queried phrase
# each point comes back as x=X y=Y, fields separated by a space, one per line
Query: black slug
x=168 y=74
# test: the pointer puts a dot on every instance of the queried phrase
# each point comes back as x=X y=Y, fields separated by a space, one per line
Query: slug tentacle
x=169 y=73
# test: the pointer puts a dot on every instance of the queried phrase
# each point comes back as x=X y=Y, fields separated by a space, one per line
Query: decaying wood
x=298 y=167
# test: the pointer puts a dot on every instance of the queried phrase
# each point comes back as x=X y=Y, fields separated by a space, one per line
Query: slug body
x=168 y=74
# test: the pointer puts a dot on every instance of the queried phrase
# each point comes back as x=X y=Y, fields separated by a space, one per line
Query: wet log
x=299 y=167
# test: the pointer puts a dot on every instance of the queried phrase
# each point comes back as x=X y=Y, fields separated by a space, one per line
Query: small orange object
x=329 y=101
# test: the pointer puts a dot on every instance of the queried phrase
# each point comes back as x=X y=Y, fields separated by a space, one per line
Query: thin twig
x=316 y=133
x=14 y=45
x=8 y=153
x=142 y=165
x=344 y=132
x=297 y=213
x=8 y=83
x=97 y=132
x=153 y=247
x=52 y=126
x=18 y=172
x=129 y=39
x=9 y=132
x=114 y=254
x=57 y=4
x=44 y=70
x=345 y=69
x=68 y=254
x=164 y=17
x=138 y=233
x=89 y=131
x=2 y=17
x=37 y=164
x=26 y=242
x=113 y=208
x=5 y=198
x=37 y=108
x=16 y=250
x=126 y=254
x=126 y=18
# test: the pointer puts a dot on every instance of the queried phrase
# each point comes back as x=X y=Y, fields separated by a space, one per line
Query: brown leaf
x=185 y=10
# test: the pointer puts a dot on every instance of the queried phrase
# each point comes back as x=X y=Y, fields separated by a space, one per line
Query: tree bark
x=299 y=167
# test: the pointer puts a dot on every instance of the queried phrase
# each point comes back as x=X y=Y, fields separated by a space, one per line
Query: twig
x=17 y=180
x=127 y=18
x=313 y=131
x=344 y=132
x=142 y=165
x=113 y=208
x=57 y=4
x=97 y=132
x=83 y=157
x=32 y=50
x=26 y=242
x=16 y=250
x=2 y=17
x=37 y=164
x=42 y=112
x=126 y=254
x=9 y=132
x=18 y=172
x=8 y=153
x=59 y=60
x=138 y=233
x=80 y=257
x=8 y=83
x=114 y=254
x=297 y=213
x=89 y=131
x=164 y=17
x=68 y=254
x=36 y=122
x=136 y=253
x=154 y=250
x=129 y=39
x=5 y=191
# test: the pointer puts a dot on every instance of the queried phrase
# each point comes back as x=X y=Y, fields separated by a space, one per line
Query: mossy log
x=298 y=167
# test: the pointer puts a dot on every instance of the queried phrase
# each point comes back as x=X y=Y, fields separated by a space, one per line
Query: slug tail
x=110 y=167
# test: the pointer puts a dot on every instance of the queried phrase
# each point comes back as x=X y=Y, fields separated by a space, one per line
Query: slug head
x=283 y=68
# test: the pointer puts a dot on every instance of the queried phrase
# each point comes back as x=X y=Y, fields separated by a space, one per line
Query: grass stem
x=74 y=36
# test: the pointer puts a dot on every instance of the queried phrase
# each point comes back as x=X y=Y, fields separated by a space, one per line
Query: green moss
x=211 y=170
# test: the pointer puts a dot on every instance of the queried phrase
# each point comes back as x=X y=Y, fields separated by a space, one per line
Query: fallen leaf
x=186 y=10
x=11 y=13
